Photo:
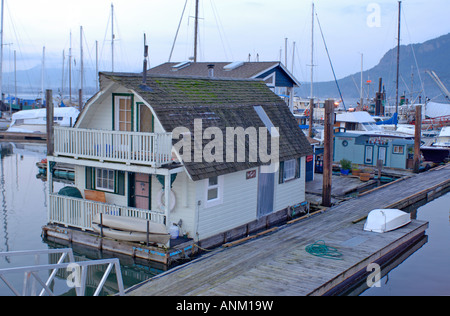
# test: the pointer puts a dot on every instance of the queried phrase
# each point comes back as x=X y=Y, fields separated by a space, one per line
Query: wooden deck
x=277 y=264
x=23 y=137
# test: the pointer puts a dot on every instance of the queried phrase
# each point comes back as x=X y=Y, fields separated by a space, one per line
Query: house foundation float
x=165 y=166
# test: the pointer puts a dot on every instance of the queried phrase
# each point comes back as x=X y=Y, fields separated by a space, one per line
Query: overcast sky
x=230 y=30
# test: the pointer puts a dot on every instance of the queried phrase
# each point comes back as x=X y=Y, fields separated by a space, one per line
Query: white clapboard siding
x=238 y=206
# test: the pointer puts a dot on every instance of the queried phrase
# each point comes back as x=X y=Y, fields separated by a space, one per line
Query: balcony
x=75 y=212
x=151 y=149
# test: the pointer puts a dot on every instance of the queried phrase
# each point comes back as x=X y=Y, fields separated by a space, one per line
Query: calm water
x=427 y=271
x=23 y=213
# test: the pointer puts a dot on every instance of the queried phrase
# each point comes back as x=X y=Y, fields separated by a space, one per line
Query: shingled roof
x=221 y=103
x=236 y=70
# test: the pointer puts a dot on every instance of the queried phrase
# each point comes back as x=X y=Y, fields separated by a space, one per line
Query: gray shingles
x=218 y=103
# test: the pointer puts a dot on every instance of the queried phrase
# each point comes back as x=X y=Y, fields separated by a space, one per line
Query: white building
x=122 y=147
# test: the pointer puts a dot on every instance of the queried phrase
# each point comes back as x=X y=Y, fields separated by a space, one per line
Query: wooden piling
x=49 y=105
x=417 y=138
x=328 y=152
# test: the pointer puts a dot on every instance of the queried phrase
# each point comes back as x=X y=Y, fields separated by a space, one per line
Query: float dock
x=277 y=264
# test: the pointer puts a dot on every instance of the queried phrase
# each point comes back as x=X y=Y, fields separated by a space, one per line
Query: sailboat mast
x=312 y=51
x=81 y=66
x=70 y=69
x=112 y=37
x=398 y=57
x=1 y=54
x=361 y=93
x=196 y=32
x=311 y=101
x=42 y=75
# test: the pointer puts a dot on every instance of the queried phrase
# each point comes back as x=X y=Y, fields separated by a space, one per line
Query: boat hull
x=131 y=229
x=386 y=220
x=131 y=236
x=435 y=154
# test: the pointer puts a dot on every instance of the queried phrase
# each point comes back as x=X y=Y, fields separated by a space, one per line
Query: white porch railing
x=75 y=212
x=153 y=149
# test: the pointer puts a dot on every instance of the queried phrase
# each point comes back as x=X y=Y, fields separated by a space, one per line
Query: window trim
x=297 y=173
x=99 y=173
x=119 y=181
x=115 y=113
x=293 y=167
x=402 y=152
x=219 y=187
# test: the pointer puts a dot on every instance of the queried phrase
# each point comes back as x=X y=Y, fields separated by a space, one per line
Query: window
x=123 y=113
x=382 y=154
x=400 y=150
x=104 y=179
x=101 y=179
x=289 y=170
x=214 y=187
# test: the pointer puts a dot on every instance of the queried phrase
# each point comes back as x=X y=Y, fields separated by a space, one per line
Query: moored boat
x=130 y=229
x=386 y=220
x=440 y=150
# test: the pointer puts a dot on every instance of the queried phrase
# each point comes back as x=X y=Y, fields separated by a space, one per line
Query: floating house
x=366 y=149
x=219 y=158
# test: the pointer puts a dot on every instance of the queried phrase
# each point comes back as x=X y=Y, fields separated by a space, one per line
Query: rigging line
x=178 y=29
x=413 y=51
x=225 y=43
x=331 y=64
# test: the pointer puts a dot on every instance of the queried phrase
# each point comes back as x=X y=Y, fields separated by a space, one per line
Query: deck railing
x=153 y=149
x=75 y=212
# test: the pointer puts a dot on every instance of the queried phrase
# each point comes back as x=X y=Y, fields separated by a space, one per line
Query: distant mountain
x=431 y=55
x=29 y=81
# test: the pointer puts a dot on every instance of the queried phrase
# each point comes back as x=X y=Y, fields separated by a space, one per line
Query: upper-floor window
x=123 y=113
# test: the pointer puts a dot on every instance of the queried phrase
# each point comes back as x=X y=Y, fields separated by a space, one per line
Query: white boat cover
x=65 y=112
x=435 y=110
x=385 y=220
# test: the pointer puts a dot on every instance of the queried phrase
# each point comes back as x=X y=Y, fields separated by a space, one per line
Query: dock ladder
x=77 y=277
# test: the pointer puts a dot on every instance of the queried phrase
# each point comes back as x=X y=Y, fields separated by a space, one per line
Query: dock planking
x=278 y=265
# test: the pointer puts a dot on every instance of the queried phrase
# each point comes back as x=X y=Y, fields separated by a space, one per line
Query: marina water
x=23 y=213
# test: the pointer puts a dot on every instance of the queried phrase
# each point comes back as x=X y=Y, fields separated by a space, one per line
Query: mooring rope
x=320 y=249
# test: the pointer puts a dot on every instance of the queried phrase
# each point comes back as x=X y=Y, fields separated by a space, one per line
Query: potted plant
x=355 y=170
x=346 y=165
x=365 y=175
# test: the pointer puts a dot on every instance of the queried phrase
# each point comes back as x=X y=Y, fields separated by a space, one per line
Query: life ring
x=161 y=197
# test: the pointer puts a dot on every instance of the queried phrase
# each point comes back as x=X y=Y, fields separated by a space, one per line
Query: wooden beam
x=417 y=138
x=49 y=104
x=328 y=152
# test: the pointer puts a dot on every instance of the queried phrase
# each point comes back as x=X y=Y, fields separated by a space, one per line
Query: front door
x=266 y=186
x=142 y=190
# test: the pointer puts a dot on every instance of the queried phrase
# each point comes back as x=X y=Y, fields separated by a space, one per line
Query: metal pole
x=398 y=58
x=196 y=31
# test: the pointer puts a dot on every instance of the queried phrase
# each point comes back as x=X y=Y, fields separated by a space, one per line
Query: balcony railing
x=75 y=212
x=154 y=149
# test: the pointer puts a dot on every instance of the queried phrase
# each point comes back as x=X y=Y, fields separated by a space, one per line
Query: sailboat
x=4 y=121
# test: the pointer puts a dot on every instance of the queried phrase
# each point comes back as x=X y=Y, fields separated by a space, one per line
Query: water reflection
x=23 y=213
x=423 y=271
